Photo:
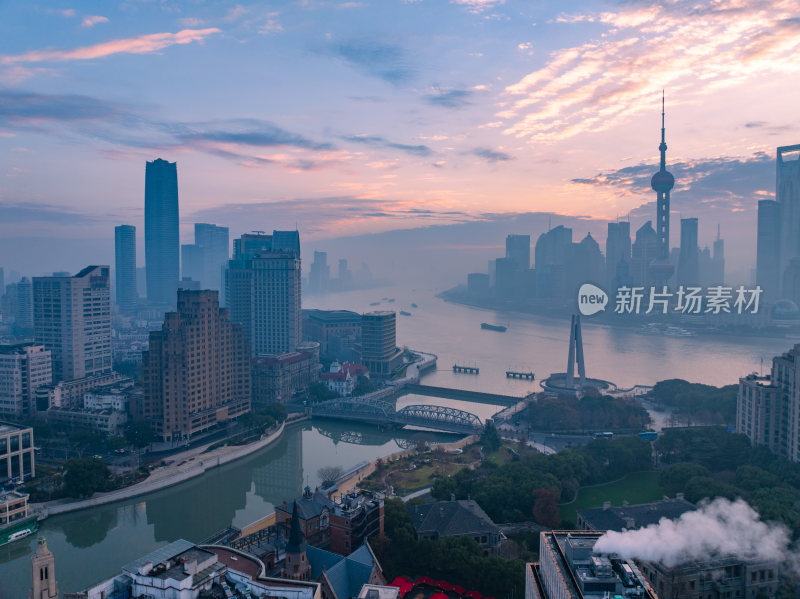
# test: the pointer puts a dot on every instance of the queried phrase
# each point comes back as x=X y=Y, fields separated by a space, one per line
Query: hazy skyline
x=350 y=118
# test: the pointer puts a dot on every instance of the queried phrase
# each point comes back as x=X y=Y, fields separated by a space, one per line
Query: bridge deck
x=462 y=394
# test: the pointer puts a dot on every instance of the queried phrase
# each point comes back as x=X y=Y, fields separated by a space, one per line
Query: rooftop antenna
x=718 y=232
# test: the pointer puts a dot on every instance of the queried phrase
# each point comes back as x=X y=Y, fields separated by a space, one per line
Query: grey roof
x=310 y=505
x=634 y=516
x=163 y=554
x=451 y=518
x=346 y=575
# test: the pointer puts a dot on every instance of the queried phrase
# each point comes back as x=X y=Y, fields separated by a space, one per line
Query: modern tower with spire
x=662 y=183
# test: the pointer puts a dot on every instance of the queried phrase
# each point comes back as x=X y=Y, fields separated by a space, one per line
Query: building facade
x=263 y=293
x=768 y=408
x=336 y=331
x=196 y=372
x=568 y=568
x=688 y=262
x=341 y=526
x=17 y=461
x=161 y=233
x=280 y=378
x=768 y=249
x=456 y=518
x=23 y=369
x=379 y=351
x=518 y=250
x=125 y=267
x=72 y=319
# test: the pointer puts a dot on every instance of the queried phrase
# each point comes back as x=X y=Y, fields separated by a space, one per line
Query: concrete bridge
x=382 y=413
x=462 y=394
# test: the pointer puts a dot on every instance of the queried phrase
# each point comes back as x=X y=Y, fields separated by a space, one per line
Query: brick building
x=196 y=372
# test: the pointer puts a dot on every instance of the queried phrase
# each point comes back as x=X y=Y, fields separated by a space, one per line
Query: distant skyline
x=350 y=118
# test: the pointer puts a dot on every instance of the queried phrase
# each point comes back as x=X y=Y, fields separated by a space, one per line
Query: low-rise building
x=104 y=421
x=70 y=393
x=13 y=507
x=16 y=453
x=342 y=378
x=631 y=517
x=341 y=526
x=456 y=518
x=280 y=378
x=183 y=570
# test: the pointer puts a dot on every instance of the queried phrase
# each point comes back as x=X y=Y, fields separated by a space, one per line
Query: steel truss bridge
x=374 y=411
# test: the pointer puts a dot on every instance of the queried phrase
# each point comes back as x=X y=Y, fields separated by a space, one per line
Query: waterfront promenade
x=185 y=465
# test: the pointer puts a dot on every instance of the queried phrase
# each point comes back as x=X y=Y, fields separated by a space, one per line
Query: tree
x=329 y=475
x=85 y=476
x=319 y=392
x=545 y=510
x=490 y=437
x=674 y=477
x=139 y=433
x=363 y=386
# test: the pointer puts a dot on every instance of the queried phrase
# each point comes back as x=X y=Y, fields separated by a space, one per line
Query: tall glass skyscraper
x=161 y=235
x=125 y=266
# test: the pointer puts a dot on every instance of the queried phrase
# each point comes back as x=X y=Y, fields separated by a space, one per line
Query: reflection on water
x=92 y=544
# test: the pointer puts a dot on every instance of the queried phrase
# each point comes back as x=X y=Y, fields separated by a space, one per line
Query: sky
x=353 y=118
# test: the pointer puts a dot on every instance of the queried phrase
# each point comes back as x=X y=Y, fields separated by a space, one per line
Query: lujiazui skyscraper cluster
x=778 y=246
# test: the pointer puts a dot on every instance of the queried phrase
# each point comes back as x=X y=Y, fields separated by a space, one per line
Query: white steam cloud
x=721 y=527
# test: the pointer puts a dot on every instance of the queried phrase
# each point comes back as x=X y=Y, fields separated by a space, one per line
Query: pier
x=528 y=376
x=466 y=369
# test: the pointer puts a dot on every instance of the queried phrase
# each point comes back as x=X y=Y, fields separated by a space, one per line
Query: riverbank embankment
x=185 y=465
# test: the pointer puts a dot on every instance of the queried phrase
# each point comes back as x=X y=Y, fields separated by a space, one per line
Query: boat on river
x=18 y=529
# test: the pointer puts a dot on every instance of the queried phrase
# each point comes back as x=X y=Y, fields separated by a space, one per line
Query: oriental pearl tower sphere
x=662 y=183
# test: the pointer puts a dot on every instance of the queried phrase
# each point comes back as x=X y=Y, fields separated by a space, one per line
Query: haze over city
x=353 y=118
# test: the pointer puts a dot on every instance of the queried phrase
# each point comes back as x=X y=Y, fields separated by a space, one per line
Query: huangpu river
x=93 y=544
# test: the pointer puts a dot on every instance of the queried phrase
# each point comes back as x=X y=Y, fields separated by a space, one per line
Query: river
x=93 y=544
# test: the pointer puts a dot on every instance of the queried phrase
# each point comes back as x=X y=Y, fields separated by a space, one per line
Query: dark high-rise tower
x=161 y=236
x=125 y=266
x=688 y=262
x=662 y=183
x=787 y=194
x=768 y=249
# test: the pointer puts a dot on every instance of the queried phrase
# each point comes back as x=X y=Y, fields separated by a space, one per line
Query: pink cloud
x=92 y=20
x=691 y=49
x=143 y=44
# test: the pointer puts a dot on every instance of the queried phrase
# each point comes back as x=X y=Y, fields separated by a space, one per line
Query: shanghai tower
x=161 y=237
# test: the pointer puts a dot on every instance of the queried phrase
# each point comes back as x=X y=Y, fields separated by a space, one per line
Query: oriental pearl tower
x=662 y=182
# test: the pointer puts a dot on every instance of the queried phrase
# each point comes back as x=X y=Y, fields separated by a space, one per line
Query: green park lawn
x=638 y=487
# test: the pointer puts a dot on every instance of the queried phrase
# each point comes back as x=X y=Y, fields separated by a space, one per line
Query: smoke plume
x=718 y=528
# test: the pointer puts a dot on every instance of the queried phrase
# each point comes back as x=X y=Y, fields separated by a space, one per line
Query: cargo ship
x=494 y=327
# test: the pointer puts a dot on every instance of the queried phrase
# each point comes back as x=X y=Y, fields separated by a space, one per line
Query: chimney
x=679 y=496
x=452 y=496
x=606 y=505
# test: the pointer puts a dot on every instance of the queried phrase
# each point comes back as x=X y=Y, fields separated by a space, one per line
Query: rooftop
x=451 y=518
x=634 y=516
x=584 y=574
x=332 y=315
x=10 y=427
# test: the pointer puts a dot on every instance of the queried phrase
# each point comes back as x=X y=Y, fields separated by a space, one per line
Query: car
x=121 y=450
